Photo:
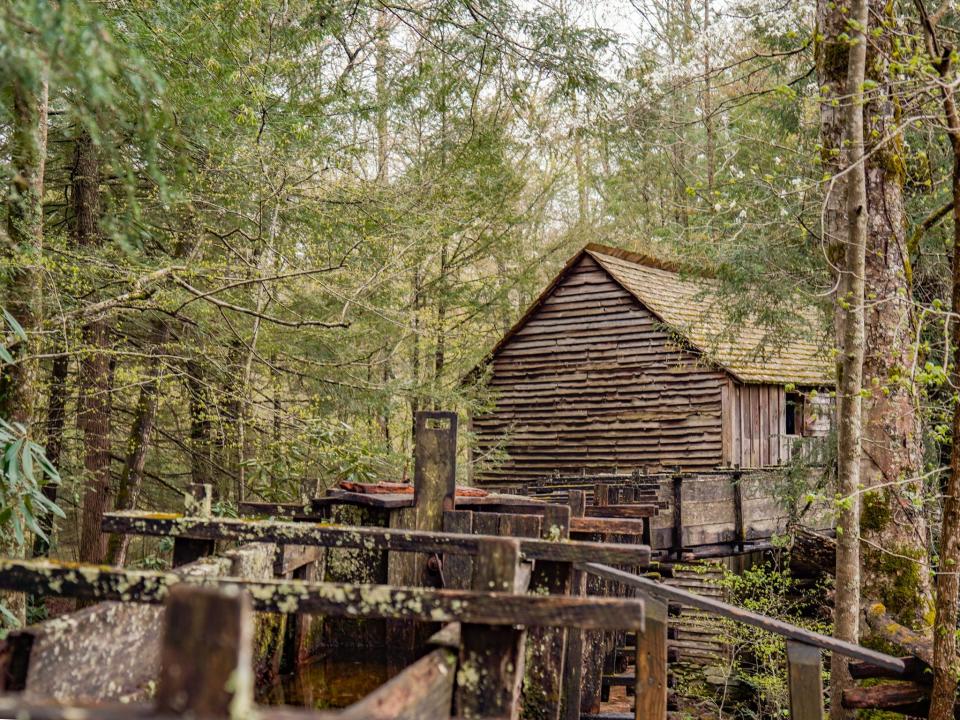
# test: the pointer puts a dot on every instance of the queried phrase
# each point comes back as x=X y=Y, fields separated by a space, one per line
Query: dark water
x=335 y=680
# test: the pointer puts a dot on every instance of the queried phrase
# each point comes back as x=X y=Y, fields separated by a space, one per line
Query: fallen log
x=914 y=669
x=888 y=629
x=889 y=696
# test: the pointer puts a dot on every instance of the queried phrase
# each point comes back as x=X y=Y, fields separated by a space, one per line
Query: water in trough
x=334 y=680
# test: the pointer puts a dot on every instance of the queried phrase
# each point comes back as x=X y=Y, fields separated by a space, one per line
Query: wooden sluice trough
x=509 y=607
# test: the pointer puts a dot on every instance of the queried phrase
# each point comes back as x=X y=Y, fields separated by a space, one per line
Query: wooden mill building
x=622 y=363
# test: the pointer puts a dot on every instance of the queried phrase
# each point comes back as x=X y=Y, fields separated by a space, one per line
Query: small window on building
x=794 y=413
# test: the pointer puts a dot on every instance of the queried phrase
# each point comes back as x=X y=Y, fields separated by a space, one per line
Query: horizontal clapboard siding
x=592 y=380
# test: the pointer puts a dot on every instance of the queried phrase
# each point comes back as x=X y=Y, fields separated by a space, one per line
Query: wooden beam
x=95 y=582
x=206 y=667
x=621 y=511
x=805 y=679
x=779 y=627
x=491 y=658
x=198 y=501
x=543 y=684
x=619 y=526
x=368 y=538
x=573 y=656
x=422 y=690
x=651 y=664
x=435 y=467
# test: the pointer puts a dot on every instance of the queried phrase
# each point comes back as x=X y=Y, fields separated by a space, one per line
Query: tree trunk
x=201 y=446
x=892 y=528
x=850 y=313
x=131 y=479
x=22 y=299
x=56 y=417
x=94 y=374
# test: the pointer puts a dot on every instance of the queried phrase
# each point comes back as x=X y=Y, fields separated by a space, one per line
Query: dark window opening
x=794 y=413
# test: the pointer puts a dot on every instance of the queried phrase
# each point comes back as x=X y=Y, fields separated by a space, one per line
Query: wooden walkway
x=510 y=611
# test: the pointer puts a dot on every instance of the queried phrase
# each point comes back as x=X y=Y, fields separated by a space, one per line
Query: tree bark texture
x=895 y=570
x=850 y=311
x=94 y=372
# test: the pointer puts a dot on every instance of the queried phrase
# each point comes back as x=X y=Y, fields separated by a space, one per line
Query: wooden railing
x=803 y=646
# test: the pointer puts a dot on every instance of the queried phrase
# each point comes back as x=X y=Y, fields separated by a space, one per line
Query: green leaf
x=14 y=325
x=6 y=356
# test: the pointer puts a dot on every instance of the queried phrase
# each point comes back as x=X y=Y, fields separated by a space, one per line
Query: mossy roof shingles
x=693 y=310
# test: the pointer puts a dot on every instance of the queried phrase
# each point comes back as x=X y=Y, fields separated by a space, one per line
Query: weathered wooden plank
x=717 y=607
x=491 y=658
x=805 y=680
x=206 y=667
x=435 y=467
x=651 y=663
x=423 y=690
x=333 y=599
x=621 y=511
x=458 y=569
x=368 y=538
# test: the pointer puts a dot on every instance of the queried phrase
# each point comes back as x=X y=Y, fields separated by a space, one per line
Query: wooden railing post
x=491 y=656
x=198 y=501
x=206 y=654
x=651 y=665
x=805 y=680
x=677 y=514
x=543 y=689
x=573 y=657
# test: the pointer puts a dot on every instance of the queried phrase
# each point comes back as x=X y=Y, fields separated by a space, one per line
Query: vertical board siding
x=759 y=420
x=593 y=381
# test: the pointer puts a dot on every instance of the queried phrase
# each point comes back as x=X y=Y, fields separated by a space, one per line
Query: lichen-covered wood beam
x=331 y=599
x=368 y=538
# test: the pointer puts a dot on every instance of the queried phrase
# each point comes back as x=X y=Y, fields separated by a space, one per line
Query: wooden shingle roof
x=693 y=310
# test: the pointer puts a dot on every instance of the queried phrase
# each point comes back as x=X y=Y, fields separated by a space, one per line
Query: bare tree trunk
x=95 y=375
x=850 y=381
x=131 y=479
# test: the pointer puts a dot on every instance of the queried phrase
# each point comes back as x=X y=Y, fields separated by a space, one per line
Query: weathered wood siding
x=757 y=422
x=593 y=381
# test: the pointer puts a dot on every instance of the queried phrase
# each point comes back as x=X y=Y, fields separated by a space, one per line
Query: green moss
x=898 y=571
x=875 y=511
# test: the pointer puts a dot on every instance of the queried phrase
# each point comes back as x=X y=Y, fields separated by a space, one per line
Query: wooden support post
x=651 y=675
x=458 y=569
x=198 y=502
x=491 y=657
x=206 y=663
x=435 y=468
x=573 y=657
x=543 y=683
x=434 y=488
x=739 y=526
x=677 y=514
x=594 y=642
x=805 y=680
